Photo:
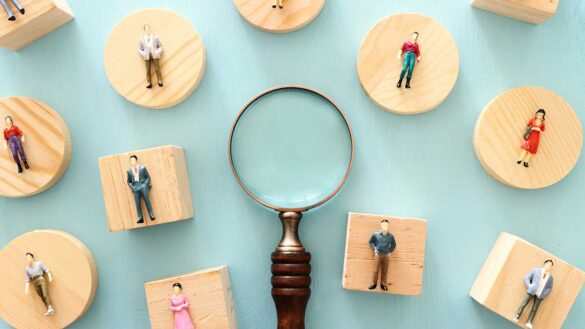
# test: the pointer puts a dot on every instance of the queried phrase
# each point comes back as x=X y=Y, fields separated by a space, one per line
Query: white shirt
x=542 y=283
x=149 y=46
x=136 y=172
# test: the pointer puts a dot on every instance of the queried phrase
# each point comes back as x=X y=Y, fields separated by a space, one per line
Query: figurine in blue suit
x=139 y=183
x=539 y=284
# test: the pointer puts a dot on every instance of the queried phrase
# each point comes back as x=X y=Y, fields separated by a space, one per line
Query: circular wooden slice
x=434 y=77
x=499 y=135
x=72 y=290
x=47 y=147
x=182 y=62
x=294 y=16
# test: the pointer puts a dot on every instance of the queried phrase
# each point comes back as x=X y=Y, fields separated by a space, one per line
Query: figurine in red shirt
x=534 y=127
x=411 y=53
x=14 y=138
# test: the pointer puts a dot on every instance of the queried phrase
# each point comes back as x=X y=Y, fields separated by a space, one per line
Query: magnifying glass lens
x=291 y=148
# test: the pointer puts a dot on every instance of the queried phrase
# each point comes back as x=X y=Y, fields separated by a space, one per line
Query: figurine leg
x=18 y=6
x=411 y=61
x=377 y=266
x=43 y=291
x=281 y=4
x=385 y=260
x=138 y=206
x=156 y=63
x=13 y=143
x=20 y=150
x=535 y=307
x=8 y=10
x=148 y=72
x=523 y=305
x=275 y=4
x=146 y=198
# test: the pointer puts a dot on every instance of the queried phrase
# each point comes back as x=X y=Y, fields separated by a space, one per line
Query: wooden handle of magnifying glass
x=291 y=279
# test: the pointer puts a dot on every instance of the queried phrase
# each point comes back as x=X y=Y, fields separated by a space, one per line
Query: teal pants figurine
x=407 y=66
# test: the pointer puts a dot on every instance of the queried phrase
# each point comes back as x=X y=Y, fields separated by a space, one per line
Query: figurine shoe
x=26 y=165
x=372 y=286
x=19 y=168
x=140 y=221
x=526 y=164
x=152 y=218
x=22 y=11
x=50 y=312
x=160 y=84
x=529 y=325
x=12 y=18
x=384 y=287
x=149 y=85
x=281 y=6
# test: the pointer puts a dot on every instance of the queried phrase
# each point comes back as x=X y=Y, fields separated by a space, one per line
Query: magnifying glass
x=291 y=149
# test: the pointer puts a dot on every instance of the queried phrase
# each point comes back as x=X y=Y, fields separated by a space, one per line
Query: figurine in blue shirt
x=383 y=244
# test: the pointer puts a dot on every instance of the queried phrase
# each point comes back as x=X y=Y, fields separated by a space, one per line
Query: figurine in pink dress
x=180 y=306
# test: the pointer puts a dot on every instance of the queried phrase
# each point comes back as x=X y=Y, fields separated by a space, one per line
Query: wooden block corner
x=41 y=18
x=170 y=194
x=405 y=272
x=209 y=293
x=499 y=286
x=529 y=11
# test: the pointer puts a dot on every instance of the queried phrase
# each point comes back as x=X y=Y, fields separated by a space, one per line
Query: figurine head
x=8 y=120
x=413 y=37
x=177 y=288
x=548 y=264
x=540 y=114
x=133 y=160
x=30 y=258
x=385 y=224
x=147 y=29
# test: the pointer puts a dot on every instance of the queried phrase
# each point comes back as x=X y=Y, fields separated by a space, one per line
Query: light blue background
x=420 y=166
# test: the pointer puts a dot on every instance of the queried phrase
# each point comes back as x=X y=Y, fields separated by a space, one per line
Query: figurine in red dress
x=534 y=128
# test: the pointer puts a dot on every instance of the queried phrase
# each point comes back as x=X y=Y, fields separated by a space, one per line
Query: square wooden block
x=530 y=11
x=405 y=271
x=41 y=17
x=209 y=294
x=500 y=287
x=170 y=194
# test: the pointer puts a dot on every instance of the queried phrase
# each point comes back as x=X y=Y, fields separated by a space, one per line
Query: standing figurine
x=539 y=284
x=180 y=306
x=279 y=3
x=139 y=183
x=9 y=12
x=150 y=48
x=411 y=53
x=383 y=244
x=534 y=127
x=14 y=138
x=35 y=272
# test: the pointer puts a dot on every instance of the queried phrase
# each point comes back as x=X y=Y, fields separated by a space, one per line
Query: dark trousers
x=16 y=149
x=143 y=193
x=153 y=62
x=408 y=65
x=380 y=265
x=42 y=290
x=525 y=303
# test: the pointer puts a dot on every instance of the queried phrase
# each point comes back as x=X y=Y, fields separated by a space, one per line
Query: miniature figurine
x=14 y=138
x=180 y=306
x=383 y=244
x=539 y=283
x=411 y=52
x=9 y=12
x=150 y=48
x=35 y=272
x=534 y=127
x=278 y=3
x=139 y=183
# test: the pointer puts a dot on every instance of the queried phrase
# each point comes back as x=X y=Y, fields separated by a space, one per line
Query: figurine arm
x=159 y=46
x=528 y=279
x=26 y=288
x=141 y=49
x=392 y=244
x=5 y=144
x=399 y=55
x=129 y=180
x=147 y=176
x=548 y=289
x=373 y=244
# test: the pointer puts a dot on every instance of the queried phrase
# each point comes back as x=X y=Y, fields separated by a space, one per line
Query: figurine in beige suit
x=150 y=48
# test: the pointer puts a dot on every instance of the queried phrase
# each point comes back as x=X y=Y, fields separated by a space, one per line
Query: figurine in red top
x=411 y=53
x=534 y=127
x=14 y=138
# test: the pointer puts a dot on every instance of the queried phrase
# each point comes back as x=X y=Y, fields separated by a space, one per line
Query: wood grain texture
x=500 y=287
x=405 y=272
x=75 y=280
x=41 y=18
x=170 y=194
x=530 y=11
x=182 y=63
x=434 y=77
x=499 y=134
x=47 y=147
x=210 y=299
x=295 y=15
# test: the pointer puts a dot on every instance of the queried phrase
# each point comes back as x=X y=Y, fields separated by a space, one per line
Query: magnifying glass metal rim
x=247 y=106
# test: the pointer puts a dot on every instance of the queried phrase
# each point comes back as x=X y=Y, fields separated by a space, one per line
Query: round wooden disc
x=47 y=147
x=182 y=63
x=499 y=134
x=434 y=77
x=72 y=290
x=294 y=16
